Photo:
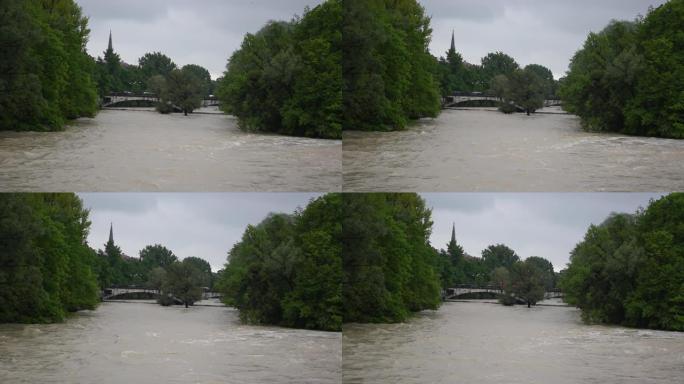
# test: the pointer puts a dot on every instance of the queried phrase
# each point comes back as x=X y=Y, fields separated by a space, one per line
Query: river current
x=141 y=150
x=485 y=150
x=478 y=342
x=139 y=343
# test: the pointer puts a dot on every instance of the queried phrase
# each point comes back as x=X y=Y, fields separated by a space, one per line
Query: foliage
x=629 y=270
x=287 y=269
x=182 y=281
x=390 y=270
x=45 y=73
x=155 y=64
x=499 y=255
x=522 y=88
x=629 y=78
x=526 y=282
x=287 y=77
x=205 y=276
x=183 y=90
x=387 y=70
x=42 y=249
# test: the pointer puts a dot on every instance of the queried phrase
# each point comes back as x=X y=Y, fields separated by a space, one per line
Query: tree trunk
x=528 y=304
x=528 y=112
x=186 y=304
x=185 y=111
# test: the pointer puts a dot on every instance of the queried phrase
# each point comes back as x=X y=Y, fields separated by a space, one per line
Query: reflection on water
x=145 y=151
x=484 y=150
x=146 y=343
x=476 y=342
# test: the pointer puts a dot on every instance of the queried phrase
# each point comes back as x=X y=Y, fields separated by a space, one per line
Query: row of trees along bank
x=629 y=270
x=629 y=77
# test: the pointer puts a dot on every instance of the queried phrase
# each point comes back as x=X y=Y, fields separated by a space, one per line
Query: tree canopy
x=628 y=78
x=287 y=77
x=45 y=72
x=287 y=269
x=46 y=267
x=629 y=269
x=388 y=71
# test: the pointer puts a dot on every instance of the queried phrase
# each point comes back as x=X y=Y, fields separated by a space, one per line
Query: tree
x=389 y=268
x=524 y=89
x=202 y=75
x=46 y=267
x=526 y=282
x=286 y=78
x=499 y=256
x=45 y=73
x=497 y=63
x=545 y=76
x=629 y=269
x=182 y=282
x=387 y=70
x=155 y=278
x=287 y=269
x=501 y=277
x=204 y=270
x=153 y=64
x=182 y=90
x=546 y=269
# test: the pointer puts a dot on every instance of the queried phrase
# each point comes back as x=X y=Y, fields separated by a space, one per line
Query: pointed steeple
x=453 y=41
x=111 y=233
x=453 y=234
x=110 y=47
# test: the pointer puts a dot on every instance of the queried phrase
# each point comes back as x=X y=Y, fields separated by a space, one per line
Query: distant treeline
x=629 y=270
x=287 y=77
x=287 y=270
x=629 y=77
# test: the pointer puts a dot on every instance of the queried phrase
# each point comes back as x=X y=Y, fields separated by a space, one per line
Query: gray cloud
x=541 y=32
x=533 y=224
x=203 y=32
x=195 y=224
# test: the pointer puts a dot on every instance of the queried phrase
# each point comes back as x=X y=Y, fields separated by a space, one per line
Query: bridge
x=146 y=100
x=461 y=290
x=116 y=293
x=462 y=99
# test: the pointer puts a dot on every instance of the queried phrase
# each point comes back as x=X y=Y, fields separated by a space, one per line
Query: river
x=476 y=342
x=145 y=343
x=141 y=150
x=485 y=150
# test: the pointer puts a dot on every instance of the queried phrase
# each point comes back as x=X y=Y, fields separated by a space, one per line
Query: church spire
x=110 y=47
x=453 y=42
x=453 y=234
x=111 y=233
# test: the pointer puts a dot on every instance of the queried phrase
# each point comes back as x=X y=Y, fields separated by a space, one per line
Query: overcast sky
x=546 y=32
x=190 y=224
x=203 y=32
x=534 y=224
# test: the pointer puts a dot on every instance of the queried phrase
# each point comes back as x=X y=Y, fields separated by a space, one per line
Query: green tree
x=46 y=268
x=286 y=78
x=526 y=282
x=202 y=75
x=287 y=269
x=203 y=267
x=183 y=90
x=497 y=63
x=45 y=73
x=545 y=76
x=388 y=73
x=390 y=270
x=182 y=281
x=546 y=269
x=153 y=64
x=524 y=89
x=499 y=256
x=155 y=278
